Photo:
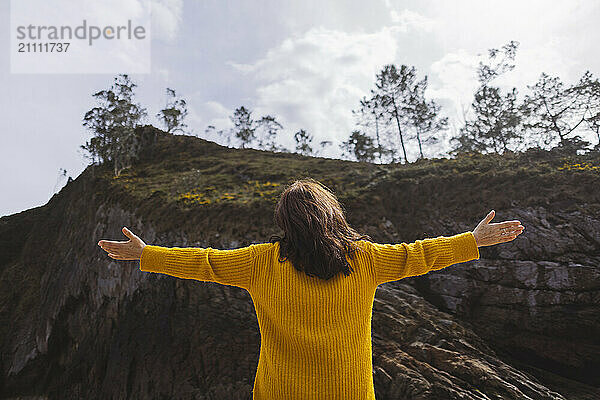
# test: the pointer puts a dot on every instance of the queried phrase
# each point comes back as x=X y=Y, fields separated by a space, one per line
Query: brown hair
x=316 y=235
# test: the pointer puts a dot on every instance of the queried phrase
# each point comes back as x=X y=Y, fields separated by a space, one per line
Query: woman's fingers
x=128 y=233
x=123 y=250
x=120 y=257
x=511 y=235
x=499 y=234
x=507 y=224
x=119 y=250
x=126 y=253
x=102 y=242
x=489 y=234
x=112 y=247
x=511 y=230
x=115 y=252
x=508 y=235
x=489 y=217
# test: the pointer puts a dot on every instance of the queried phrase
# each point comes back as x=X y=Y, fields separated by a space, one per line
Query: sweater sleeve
x=397 y=261
x=228 y=267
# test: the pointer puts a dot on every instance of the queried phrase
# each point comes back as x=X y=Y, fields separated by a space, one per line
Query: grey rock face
x=423 y=353
x=538 y=297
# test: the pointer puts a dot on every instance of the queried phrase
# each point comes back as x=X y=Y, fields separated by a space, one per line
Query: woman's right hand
x=129 y=250
x=487 y=234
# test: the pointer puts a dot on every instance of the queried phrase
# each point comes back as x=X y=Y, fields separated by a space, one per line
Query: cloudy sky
x=307 y=62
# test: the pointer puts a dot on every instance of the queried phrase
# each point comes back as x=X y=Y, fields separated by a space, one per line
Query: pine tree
x=360 y=146
x=554 y=111
x=113 y=122
x=495 y=124
x=425 y=117
x=371 y=119
x=174 y=113
x=268 y=129
x=592 y=92
x=393 y=95
x=303 y=142
x=324 y=144
x=244 y=128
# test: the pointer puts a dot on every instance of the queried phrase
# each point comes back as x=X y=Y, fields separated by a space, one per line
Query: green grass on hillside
x=197 y=177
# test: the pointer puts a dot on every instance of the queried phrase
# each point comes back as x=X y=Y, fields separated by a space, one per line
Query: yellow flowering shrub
x=580 y=166
x=247 y=191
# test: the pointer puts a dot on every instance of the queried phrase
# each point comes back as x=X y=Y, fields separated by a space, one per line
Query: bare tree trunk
x=377 y=134
x=419 y=140
x=400 y=132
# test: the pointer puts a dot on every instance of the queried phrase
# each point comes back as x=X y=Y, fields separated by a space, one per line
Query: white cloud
x=532 y=60
x=206 y=114
x=454 y=78
x=105 y=10
x=166 y=19
x=163 y=74
x=313 y=81
x=410 y=20
x=453 y=83
x=553 y=39
x=216 y=114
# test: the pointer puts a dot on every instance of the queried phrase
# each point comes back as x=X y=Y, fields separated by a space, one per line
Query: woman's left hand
x=129 y=250
x=487 y=234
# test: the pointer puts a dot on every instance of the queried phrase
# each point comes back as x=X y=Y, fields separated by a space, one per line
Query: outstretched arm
x=392 y=262
x=397 y=261
x=228 y=267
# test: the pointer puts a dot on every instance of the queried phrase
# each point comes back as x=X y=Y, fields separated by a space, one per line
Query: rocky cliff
x=522 y=322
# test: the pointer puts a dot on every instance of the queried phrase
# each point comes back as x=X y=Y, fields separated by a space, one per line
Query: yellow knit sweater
x=315 y=334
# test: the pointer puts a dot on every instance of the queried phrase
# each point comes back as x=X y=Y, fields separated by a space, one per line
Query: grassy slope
x=192 y=181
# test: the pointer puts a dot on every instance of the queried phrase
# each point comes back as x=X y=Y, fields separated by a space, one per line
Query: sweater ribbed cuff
x=153 y=258
x=464 y=247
